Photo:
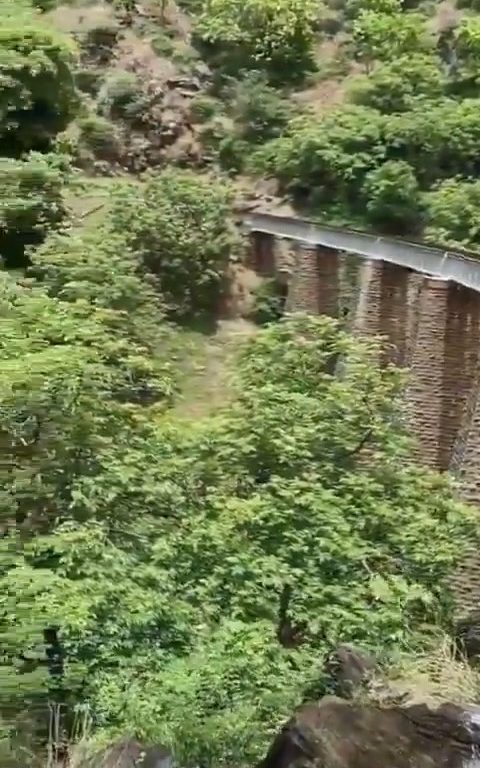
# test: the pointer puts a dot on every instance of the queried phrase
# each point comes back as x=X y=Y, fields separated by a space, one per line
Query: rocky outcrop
x=342 y=734
x=468 y=636
x=127 y=753
x=348 y=669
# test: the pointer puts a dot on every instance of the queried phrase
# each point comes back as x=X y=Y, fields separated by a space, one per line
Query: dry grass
x=434 y=677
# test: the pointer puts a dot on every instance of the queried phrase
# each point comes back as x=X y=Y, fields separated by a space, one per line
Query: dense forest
x=193 y=517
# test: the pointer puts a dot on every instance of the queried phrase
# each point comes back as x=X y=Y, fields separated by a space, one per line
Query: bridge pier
x=314 y=285
x=263 y=253
x=442 y=371
x=382 y=307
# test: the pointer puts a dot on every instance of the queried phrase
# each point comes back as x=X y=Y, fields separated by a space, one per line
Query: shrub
x=259 y=110
x=269 y=301
x=326 y=157
x=453 y=213
x=385 y=36
x=99 y=41
x=89 y=80
x=180 y=226
x=31 y=203
x=395 y=86
x=275 y=35
x=120 y=95
x=232 y=153
x=99 y=136
x=392 y=197
x=203 y=108
x=38 y=96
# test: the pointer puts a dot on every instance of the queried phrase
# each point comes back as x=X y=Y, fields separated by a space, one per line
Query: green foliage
x=185 y=553
x=326 y=157
x=38 y=96
x=385 y=36
x=396 y=85
x=393 y=197
x=120 y=96
x=454 y=213
x=276 y=35
x=355 y=7
x=467 y=46
x=99 y=136
x=219 y=705
x=439 y=139
x=203 y=108
x=180 y=227
x=269 y=300
x=259 y=111
x=31 y=202
x=324 y=161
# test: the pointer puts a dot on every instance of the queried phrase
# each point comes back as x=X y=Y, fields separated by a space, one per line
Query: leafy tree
x=98 y=269
x=31 y=203
x=195 y=604
x=467 y=47
x=326 y=158
x=385 y=36
x=454 y=213
x=259 y=111
x=355 y=7
x=180 y=226
x=437 y=138
x=395 y=86
x=276 y=35
x=38 y=95
x=392 y=197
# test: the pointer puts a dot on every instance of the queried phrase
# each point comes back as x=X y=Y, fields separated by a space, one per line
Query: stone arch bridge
x=426 y=302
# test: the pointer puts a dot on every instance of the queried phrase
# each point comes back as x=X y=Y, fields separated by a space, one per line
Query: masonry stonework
x=314 y=284
x=263 y=253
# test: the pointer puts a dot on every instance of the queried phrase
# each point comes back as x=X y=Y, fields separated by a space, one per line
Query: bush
x=395 y=86
x=275 y=35
x=120 y=96
x=326 y=157
x=38 y=96
x=392 y=197
x=269 y=302
x=259 y=111
x=31 y=203
x=385 y=36
x=453 y=213
x=204 y=108
x=180 y=226
x=99 y=136
x=99 y=41
x=89 y=80
x=232 y=153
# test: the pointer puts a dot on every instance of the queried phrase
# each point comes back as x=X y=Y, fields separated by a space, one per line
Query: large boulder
x=342 y=734
x=126 y=753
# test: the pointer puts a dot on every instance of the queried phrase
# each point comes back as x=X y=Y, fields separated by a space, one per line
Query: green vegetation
x=178 y=225
x=180 y=571
x=38 y=95
x=276 y=35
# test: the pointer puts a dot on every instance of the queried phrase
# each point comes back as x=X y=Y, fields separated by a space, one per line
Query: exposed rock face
x=468 y=636
x=348 y=669
x=127 y=753
x=342 y=734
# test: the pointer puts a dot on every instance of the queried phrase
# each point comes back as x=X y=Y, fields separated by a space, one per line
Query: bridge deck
x=457 y=266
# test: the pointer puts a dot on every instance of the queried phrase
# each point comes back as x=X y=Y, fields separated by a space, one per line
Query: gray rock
x=341 y=734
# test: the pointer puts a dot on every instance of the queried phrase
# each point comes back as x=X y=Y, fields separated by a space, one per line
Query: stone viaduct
x=426 y=303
